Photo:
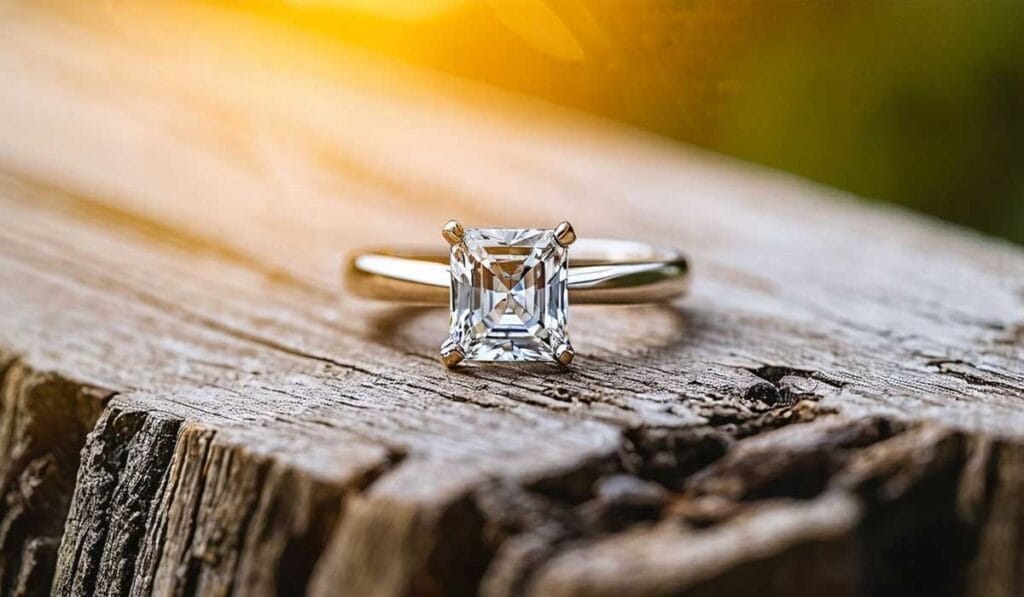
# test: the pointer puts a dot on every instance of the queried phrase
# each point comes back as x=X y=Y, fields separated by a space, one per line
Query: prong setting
x=509 y=294
x=453 y=232
x=451 y=354
x=565 y=235
x=565 y=354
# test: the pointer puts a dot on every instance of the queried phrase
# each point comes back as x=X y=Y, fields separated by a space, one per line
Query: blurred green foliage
x=919 y=102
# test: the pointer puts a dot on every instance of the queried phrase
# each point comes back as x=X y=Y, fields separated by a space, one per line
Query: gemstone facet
x=509 y=295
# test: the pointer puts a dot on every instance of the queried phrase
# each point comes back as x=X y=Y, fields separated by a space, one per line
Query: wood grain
x=191 y=405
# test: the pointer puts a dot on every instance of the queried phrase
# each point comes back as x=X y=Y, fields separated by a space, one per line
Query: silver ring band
x=602 y=271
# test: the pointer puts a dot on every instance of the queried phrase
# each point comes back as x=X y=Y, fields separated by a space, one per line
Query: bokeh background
x=920 y=102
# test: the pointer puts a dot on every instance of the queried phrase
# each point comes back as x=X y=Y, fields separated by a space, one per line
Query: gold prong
x=451 y=354
x=453 y=232
x=564 y=354
x=564 y=234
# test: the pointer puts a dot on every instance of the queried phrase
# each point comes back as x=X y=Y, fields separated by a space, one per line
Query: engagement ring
x=509 y=289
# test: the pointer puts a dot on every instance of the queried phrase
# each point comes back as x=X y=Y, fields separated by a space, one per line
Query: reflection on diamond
x=509 y=294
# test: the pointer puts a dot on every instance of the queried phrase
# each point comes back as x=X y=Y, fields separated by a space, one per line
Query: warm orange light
x=410 y=10
x=540 y=27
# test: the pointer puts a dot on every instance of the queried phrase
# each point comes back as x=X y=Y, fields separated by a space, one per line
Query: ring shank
x=601 y=271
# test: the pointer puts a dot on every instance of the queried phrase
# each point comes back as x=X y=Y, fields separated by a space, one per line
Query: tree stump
x=190 y=404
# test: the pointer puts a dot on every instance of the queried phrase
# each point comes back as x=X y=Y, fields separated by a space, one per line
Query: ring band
x=602 y=272
x=509 y=289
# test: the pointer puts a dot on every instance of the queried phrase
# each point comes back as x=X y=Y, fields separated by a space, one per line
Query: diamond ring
x=509 y=288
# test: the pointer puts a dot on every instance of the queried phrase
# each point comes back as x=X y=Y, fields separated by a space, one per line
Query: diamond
x=509 y=295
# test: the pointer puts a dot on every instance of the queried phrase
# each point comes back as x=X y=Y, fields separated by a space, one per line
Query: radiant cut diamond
x=509 y=295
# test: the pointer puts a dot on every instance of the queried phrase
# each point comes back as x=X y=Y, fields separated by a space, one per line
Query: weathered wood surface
x=191 y=405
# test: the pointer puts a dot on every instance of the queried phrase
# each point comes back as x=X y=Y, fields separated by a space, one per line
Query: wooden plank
x=179 y=186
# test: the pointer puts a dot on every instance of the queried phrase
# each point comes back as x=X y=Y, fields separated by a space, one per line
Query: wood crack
x=974 y=376
x=909 y=480
x=44 y=420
